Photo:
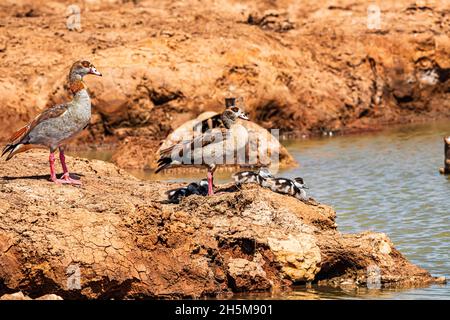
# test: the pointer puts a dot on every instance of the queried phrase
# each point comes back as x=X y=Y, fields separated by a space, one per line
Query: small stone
x=3 y=44
x=15 y=296
x=50 y=297
x=441 y=280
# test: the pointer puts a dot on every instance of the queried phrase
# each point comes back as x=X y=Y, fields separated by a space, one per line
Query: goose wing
x=18 y=141
x=190 y=150
x=210 y=137
x=212 y=122
x=50 y=113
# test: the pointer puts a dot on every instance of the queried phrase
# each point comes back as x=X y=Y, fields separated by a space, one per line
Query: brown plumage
x=15 y=145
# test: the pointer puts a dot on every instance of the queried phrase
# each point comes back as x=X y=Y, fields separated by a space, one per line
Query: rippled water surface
x=386 y=182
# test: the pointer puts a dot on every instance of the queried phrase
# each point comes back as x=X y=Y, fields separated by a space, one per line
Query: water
x=387 y=182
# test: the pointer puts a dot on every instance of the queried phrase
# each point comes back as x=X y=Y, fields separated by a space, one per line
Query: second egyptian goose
x=57 y=124
x=212 y=142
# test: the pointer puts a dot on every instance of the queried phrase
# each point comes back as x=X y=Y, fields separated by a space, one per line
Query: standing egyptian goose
x=57 y=124
x=213 y=142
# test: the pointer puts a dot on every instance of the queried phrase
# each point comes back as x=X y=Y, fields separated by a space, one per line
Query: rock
x=136 y=153
x=271 y=20
x=20 y=296
x=441 y=280
x=341 y=77
x=15 y=296
x=3 y=44
x=248 y=275
x=115 y=238
x=49 y=297
x=299 y=256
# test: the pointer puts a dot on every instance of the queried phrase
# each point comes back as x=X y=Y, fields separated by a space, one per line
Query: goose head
x=299 y=183
x=82 y=68
x=230 y=115
x=239 y=113
x=265 y=173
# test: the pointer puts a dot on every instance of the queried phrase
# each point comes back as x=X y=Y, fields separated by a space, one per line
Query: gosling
x=259 y=177
x=295 y=187
x=198 y=188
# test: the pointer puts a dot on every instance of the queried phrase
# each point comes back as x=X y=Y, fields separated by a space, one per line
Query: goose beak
x=243 y=116
x=94 y=71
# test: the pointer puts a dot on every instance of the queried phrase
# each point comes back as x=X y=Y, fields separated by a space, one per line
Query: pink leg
x=66 y=176
x=62 y=158
x=210 y=184
x=52 y=167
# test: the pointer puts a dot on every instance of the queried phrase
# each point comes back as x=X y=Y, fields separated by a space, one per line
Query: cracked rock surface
x=115 y=238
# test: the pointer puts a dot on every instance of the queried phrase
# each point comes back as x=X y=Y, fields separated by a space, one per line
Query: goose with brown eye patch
x=80 y=69
x=213 y=143
x=57 y=125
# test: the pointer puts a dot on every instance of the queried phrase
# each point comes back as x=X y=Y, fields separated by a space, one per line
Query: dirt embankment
x=302 y=66
x=115 y=238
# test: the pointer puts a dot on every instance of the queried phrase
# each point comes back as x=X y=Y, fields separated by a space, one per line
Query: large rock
x=114 y=237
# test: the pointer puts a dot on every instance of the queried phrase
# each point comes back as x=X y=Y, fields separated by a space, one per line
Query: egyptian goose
x=259 y=177
x=58 y=124
x=198 y=188
x=294 y=187
x=213 y=142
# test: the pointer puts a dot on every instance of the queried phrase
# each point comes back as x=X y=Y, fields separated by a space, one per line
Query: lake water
x=387 y=182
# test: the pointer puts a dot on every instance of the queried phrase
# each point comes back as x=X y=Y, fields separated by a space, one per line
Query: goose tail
x=14 y=148
x=163 y=163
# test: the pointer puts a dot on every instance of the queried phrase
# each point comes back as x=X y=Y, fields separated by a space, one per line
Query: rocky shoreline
x=114 y=237
x=308 y=67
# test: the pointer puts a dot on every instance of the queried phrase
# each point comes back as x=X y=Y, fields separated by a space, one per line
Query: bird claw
x=66 y=179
